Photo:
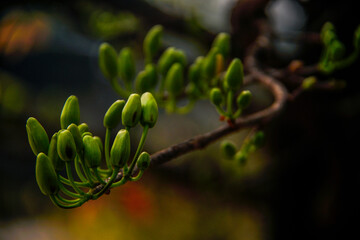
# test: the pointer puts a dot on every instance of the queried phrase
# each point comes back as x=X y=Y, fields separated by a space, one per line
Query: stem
x=108 y=184
x=67 y=182
x=55 y=199
x=138 y=150
x=69 y=174
x=98 y=177
x=229 y=99
x=68 y=192
x=118 y=89
x=137 y=177
x=107 y=148
x=79 y=171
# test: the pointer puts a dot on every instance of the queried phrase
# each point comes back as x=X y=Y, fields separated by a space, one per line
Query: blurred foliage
x=13 y=95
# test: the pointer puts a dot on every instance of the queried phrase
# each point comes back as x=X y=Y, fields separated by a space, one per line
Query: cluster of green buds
x=333 y=55
x=224 y=96
x=251 y=144
x=74 y=148
x=168 y=76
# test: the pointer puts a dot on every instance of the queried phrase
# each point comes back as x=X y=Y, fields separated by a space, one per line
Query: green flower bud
x=83 y=128
x=259 y=139
x=228 y=149
x=152 y=75
x=113 y=115
x=222 y=42
x=108 y=61
x=180 y=57
x=166 y=60
x=99 y=142
x=58 y=164
x=149 y=110
x=143 y=161
x=241 y=157
x=37 y=136
x=92 y=153
x=66 y=146
x=142 y=83
x=75 y=132
x=244 y=99
x=209 y=64
x=126 y=65
x=327 y=33
x=70 y=112
x=132 y=111
x=234 y=75
x=309 y=82
x=194 y=73
x=216 y=96
x=86 y=133
x=45 y=175
x=152 y=42
x=174 y=82
x=120 y=150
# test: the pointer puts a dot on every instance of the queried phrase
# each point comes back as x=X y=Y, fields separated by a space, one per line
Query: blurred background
x=303 y=184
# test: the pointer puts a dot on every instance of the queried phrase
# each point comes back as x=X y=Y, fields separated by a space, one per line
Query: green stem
x=107 y=185
x=118 y=89
x=229 y=99
x=79 y=171
x=68 y=192
x=57 y=202
x=137 y=177
x=98 y=177
x=138 y=150
x=69 y=174
x=67 y=182
x=107 y=148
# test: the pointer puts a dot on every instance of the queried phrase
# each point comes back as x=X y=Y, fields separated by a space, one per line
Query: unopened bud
x=222 y=42
x=120 y=150
x=174 y=82
x=126 y=65
x=216 y=96
x=83 y=128
x=244 y=99
x=92 y=153
x=152 y=41
x=149 y=110
x=108 y=61
x=143 y=161
x=308 y=82
x=228 y=149
x=53 y=154
x=70 y=112
x=113 y=115
x=45 y=175
x=132 y=111
x=37 y=136
x=234 y=75
x=66 y=146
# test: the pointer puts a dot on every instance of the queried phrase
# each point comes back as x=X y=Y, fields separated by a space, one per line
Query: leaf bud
x=113 y=115
x=120 y=150
x=86 y=133
x=126 y=65
x=45 y=175
x=66 y=146
x=132 y=111
x=228 y=149
x=174 y=82
x=222 y=42
x=92 y=153
x=143 y=161
x=234 y=75
x=58 y=164
x=327 y=33
x=108 y=61
x=216 y=97
x=70 y=112
x=149 y=110
x=152 y=42
x=37 y=136
x=244 y=99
